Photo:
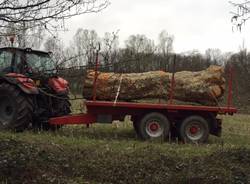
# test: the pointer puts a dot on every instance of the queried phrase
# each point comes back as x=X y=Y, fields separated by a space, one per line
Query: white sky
x=195 y=24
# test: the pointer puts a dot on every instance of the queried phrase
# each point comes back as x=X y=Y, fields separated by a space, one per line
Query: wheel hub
x=193 y=130
x=154 y=128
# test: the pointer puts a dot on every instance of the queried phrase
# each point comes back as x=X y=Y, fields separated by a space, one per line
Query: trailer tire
x=153 y=125
x=194 y=129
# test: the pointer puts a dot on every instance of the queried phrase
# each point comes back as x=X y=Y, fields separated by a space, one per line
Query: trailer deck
x=130 y=105
x=118 y=109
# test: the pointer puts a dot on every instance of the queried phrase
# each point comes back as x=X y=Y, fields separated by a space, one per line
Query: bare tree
x=43 y=12
x=25 y=37
x=109 y=50
x=213 y=56
x=140 y=44
x=27 y=19
x=165 y=45
x=139 y=50
x=240 y=14
x=55 y=46
x=165 y=48
x=85 y=43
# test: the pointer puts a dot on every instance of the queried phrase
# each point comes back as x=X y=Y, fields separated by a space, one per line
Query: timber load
x=204 y=87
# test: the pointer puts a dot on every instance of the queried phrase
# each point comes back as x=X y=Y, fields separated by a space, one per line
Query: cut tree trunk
x=205 y=87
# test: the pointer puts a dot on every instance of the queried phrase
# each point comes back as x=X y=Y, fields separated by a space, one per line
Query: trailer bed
x=97 y=109
x=129 y=105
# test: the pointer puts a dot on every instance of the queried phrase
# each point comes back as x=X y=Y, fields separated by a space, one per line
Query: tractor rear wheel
x=16 y=108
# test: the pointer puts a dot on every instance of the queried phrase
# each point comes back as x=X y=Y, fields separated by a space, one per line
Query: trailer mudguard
x=26 y=84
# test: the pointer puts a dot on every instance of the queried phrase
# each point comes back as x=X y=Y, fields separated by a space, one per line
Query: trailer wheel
x=153 y=125
x=194 y=129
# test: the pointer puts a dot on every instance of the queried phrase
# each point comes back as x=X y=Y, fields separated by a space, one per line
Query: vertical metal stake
x=172 y=82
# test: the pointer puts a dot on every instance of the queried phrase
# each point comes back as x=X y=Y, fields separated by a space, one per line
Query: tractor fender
x=26 y=84
x=59 y=85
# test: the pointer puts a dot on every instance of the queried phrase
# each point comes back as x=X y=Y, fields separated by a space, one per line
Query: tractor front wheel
x=16 y=108
x=61 y=107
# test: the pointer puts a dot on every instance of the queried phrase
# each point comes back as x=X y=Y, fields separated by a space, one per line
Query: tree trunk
x=205 y=87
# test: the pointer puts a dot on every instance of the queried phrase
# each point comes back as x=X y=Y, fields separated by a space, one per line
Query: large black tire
x=194 y=129
x=16 y=108
x=153 y=126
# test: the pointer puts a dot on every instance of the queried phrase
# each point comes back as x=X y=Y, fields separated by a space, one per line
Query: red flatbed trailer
x=190 y=123
x=120 y=109
x=106 y=112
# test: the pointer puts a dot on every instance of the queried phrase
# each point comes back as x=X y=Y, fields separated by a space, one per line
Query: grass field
x=113 y=154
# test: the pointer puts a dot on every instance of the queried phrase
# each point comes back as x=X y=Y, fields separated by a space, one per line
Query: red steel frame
x=119 y=109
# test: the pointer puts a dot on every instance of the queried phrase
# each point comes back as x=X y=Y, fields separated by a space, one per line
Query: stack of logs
x=205 y=87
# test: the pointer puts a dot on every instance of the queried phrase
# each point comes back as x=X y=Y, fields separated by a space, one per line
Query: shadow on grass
x=102 y=132
x=117 y=133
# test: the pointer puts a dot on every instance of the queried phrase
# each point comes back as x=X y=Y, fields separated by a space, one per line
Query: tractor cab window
x=40 y=62
x=6 y=61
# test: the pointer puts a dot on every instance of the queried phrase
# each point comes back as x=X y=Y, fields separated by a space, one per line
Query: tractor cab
x=26 y=61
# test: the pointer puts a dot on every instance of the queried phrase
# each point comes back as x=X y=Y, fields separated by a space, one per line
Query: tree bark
x=205 y=87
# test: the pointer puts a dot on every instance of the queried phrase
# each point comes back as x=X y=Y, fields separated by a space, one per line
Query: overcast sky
x=195 y=24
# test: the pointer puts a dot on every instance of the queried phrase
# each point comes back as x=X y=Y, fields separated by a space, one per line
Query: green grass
x=107 y=153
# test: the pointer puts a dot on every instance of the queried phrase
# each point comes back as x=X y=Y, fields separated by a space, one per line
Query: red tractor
x=31 y=92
